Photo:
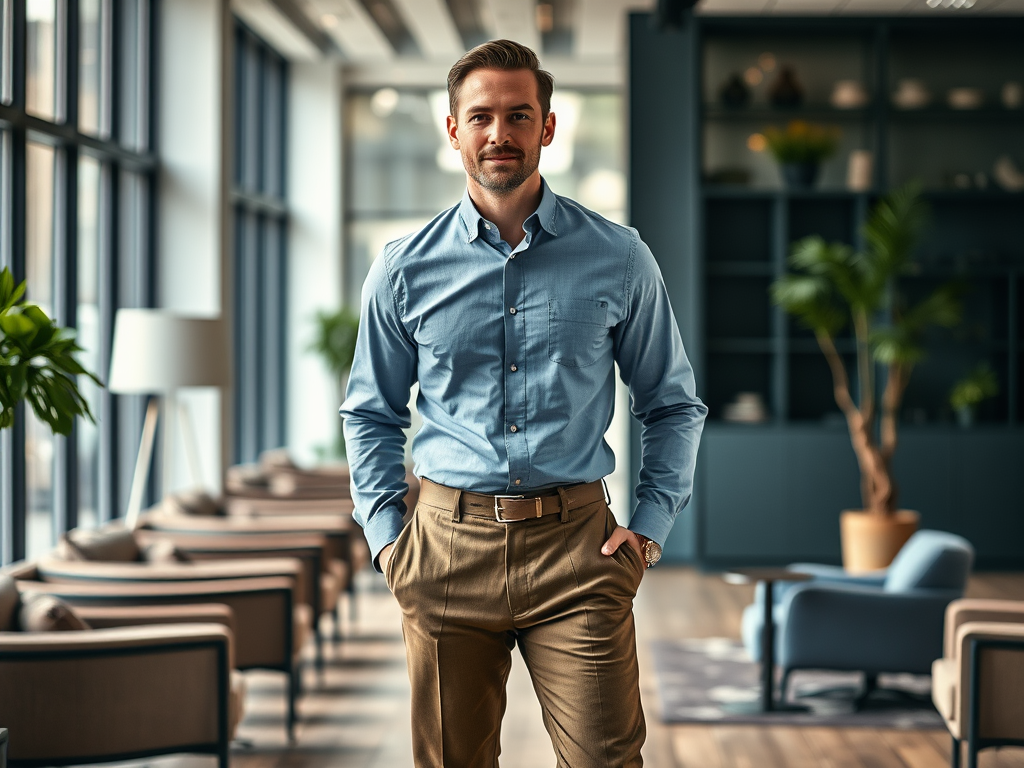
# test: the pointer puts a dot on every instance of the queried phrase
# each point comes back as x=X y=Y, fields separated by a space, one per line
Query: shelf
x=982 y=114
x=812 y=113
x=741 y=346
x=973 y=195
x=740 y=269
x=740 y=192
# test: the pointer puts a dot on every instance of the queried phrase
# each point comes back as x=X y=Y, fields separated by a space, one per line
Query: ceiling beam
x=284 y=27
x=355 y=32
x=412 y=73
x=512 y=20
x=433 y=28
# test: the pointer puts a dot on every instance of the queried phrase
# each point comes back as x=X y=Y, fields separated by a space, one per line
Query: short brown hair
x=500 y=54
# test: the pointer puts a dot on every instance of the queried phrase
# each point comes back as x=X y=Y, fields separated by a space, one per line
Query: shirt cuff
x=652 y=522
x=382 y=529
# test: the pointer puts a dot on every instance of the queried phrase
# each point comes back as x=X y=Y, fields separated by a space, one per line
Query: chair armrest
x=264 y=609
x=861 y=628
x=968 y=610
x=304 y=523
x=823 y=574
x=107 y=617
x=1000 y=670
x=836 y=574
x=240 y=506
x=133 y=690
x=212 y=570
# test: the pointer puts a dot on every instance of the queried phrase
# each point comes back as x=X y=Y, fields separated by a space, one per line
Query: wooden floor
x=357 y=714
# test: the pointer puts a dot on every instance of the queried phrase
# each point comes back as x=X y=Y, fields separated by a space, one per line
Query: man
x=510 y=310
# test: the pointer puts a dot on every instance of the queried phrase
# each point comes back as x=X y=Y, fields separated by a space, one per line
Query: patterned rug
x=696 y=677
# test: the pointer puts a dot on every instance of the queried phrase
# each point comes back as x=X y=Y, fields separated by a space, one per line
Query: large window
x=76 y=183
x=260 y=238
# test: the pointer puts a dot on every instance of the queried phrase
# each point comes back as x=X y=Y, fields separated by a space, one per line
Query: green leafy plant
x=802 y=143
x=37 y=363
x=833 y=287
x=979 y=385
x=334 y=341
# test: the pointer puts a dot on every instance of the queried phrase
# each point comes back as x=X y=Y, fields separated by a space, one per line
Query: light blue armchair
x=888 y=621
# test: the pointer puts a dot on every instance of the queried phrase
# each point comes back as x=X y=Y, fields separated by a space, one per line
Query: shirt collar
x=545 y=214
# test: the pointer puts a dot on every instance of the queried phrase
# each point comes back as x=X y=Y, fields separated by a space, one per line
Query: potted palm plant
x=832 y=287
x=37 y=363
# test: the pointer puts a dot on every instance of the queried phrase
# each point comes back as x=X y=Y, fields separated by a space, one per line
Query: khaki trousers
x=471 y=588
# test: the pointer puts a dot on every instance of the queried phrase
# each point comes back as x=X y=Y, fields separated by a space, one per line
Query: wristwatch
x=651 y=549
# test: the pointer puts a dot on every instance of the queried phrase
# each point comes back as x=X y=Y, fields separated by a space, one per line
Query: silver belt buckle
x=497 y=508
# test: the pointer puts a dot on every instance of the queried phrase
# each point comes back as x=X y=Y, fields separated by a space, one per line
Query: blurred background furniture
x=271 y=626
x=114 y=553
x=977 y=683
x=142 y=682
x=765 y=578
x=887 y=622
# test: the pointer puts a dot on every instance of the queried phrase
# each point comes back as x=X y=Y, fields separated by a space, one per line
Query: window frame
x=116 y=258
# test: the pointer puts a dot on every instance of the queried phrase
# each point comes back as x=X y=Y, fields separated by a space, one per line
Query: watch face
x=652 y=552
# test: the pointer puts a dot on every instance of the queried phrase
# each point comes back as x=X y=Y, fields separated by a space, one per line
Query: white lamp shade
x=158 y=351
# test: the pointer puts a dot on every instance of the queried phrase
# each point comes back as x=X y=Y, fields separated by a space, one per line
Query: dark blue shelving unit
x=771 y=493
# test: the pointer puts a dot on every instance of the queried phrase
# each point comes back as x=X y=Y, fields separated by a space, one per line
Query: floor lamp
x=157 y=352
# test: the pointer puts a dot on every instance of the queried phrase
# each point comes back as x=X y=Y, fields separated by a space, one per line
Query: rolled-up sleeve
x=653 y=364
x=376 y=410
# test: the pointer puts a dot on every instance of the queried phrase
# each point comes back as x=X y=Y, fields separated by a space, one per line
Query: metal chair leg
x=293 y=692
x=954 y=758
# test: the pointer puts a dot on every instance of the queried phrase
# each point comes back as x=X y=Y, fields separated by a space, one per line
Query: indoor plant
x=800 y=148
x=833 y=287
x=979 y=385
x=37 y=363
x=335 y=342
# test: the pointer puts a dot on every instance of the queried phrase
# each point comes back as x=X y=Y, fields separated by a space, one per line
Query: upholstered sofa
x=131 y=682
x=271 y=625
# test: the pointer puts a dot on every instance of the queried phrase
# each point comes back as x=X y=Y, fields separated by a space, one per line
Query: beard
x=504 y=178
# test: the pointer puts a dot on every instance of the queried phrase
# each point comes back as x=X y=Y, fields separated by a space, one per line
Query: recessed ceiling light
x=330 y=21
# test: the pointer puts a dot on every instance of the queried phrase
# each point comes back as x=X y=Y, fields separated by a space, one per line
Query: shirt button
x=518 y=481
x=513 y=368
x=486 y=225
x=511 y=310
x=513 y=428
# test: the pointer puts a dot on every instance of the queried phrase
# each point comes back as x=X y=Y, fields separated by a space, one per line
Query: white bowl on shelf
x=911 y=93
x=965 y=98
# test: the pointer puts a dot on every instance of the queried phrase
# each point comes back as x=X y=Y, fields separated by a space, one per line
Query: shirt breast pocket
x=577 y=331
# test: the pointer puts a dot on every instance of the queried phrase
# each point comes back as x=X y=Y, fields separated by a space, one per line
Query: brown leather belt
x=512 y=508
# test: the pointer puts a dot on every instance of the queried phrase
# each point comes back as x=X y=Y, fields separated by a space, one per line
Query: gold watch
x=650 y=549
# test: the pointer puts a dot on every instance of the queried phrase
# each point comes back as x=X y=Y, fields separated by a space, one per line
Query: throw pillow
x=164 y=552
x=10 y=600
x=46 y=613
x=109 y=545
x=192 y=503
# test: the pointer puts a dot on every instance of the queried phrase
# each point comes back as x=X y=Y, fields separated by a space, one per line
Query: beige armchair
x=271 y=626
x=324 y=577
x=115 y=553
x=345 y=542
x=977 y=684
x=121 y=691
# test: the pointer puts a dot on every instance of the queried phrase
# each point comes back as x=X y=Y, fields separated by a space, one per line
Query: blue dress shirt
x=513 y=349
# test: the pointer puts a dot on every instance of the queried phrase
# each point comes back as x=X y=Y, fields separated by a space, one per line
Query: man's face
x=500 y=129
